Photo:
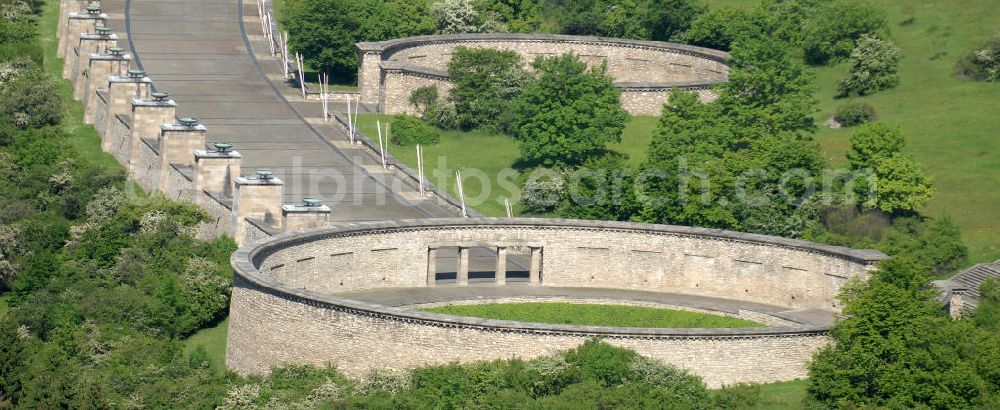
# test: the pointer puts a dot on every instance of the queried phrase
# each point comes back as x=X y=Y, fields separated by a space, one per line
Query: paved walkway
x=402 y=297
x=203 y=53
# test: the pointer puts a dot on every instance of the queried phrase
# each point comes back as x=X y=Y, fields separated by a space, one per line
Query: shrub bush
x=833 y=27
x=442 y=114
x=855 y=113
x=874 y=66
x=982 y=64
x=32 y=101
x=423 y=98
x=407 y=130
x=542 y=190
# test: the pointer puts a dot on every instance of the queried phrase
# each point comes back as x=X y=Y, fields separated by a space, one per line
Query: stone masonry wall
x=268 y=329
x=119 y=139
x=101 y=114
x=147 y=170
x=391 y=70
x=220 y=218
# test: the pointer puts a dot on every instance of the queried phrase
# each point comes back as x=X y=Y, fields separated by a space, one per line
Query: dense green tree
x=602 y=189
x=669 y=19
x=769 y=91
x=516 y=16
x=895 y=348
x=890 y=180
x=874 y=65
x=486 y=83
x=874 y=141
x=568 y=114
x=832 y=28
x=326 y=31
x=719 y=28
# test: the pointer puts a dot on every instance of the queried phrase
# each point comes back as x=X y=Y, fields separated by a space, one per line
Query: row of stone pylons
x=139 y=127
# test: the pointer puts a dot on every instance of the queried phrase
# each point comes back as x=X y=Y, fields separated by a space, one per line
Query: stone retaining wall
x=118 y=138
x=284 y=310
x=147 y=173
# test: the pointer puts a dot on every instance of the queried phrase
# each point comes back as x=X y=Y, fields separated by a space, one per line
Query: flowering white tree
x=458 y=16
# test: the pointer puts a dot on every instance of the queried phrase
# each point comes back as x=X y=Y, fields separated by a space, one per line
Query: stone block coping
x=181 y=127
x=153 y=103
x=303 y=209
x=391 y=46
x=119 y=79
x=217 y=154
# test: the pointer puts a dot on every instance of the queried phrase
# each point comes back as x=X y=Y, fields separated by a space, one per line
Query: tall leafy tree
x=326 y=31
x=769 y=91
x=569 y=113
x=895 y=182
x=486 y=83
x=895 y=348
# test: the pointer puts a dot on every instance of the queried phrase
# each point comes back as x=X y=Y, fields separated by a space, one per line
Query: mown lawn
x=484 y=156
x=594 y=315
x=213 y=340
x=782 y=395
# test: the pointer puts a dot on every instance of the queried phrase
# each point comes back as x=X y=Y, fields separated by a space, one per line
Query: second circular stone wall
x=644 y=70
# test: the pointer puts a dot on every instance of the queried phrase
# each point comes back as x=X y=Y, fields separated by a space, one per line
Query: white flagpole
x=350 y=120
x=302 y=74
x=285 y=58
x=270 y=34
x=381 y=150
x=420 y=168
x=387 y=129
x=356 y=108
x=325 y=96
x=461 y=193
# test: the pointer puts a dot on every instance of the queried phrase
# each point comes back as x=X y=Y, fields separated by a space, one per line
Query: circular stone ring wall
x=645 y=71
x=286 y=308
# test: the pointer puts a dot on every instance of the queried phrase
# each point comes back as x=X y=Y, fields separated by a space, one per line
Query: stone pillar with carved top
x=535 y=274
x=501 y=273
x=121 y=92
x=178 y=142
x=65 y=8
x=308 y=215
x=102 y=67
x=76 y=24
x=216 y=170
x=90 y=44
x=257 y=197
x=431 y=266
x=147 y=117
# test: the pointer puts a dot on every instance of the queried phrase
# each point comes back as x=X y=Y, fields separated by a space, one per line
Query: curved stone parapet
x=288 y=305
x=646 y=71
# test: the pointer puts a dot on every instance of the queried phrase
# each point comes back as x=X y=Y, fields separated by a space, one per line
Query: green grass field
x=594 y=315
x=482 y=155
x=213 y=340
